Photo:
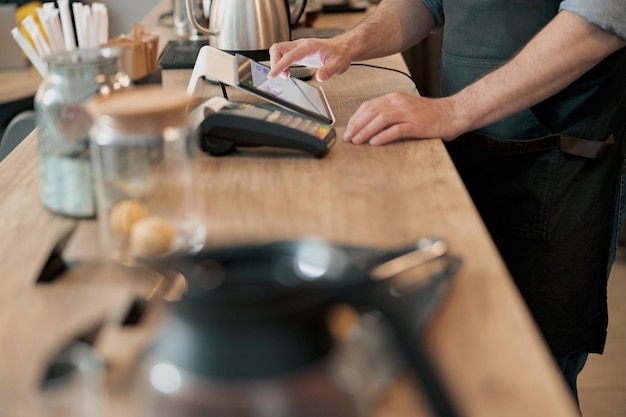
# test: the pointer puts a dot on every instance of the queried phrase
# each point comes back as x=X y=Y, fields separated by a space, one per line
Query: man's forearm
x=564 y=50
x=392 y=27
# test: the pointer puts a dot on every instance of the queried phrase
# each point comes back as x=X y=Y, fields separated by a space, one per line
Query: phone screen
x=290 y=92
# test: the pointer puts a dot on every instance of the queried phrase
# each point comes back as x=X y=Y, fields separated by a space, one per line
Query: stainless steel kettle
x=247 y=26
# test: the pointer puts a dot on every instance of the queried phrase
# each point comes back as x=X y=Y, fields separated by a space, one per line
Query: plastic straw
x=35 y=34
x=30 y=52
x=66 y=25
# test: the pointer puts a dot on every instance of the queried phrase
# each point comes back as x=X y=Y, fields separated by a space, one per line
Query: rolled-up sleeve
x=436 y=9
x=610 y=15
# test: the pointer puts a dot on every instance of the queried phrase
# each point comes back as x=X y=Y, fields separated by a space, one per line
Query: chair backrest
x=17 y=130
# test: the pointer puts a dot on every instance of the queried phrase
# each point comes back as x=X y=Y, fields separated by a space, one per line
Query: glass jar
x=63 y=125
x=145 y=171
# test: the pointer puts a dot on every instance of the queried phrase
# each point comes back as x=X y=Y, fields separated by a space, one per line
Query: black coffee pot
x=259 y=313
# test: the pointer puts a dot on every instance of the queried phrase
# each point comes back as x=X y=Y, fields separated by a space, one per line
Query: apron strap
x=567 y=144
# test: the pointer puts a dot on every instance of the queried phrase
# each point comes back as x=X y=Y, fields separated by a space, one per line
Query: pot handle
x=407 y=310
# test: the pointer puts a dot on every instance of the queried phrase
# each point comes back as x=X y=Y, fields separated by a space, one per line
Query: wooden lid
x=145 y=108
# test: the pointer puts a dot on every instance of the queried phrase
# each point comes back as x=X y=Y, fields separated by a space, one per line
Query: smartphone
x=290 y=93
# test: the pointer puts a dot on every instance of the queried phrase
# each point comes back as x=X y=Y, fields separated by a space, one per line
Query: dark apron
x=547 y=181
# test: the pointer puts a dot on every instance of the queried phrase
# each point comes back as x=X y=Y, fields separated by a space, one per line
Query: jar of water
x=63 y=125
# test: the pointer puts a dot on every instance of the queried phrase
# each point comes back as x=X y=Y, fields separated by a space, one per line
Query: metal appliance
x=249 y=27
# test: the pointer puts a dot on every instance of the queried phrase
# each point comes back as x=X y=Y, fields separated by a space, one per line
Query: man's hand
x=398 y=116
x=560 y=53
x=331 y=56
x=393 y=26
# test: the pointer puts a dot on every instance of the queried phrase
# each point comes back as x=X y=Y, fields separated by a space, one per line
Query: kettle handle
x=293 y=20
x=194 y=22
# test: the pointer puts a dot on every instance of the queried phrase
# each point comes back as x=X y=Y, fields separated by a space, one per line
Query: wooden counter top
x=482 y=339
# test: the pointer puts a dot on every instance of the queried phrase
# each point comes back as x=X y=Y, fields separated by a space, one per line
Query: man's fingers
x=281 y=59
x=362 y=125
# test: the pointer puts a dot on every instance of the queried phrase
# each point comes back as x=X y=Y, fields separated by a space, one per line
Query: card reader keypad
x=312 y=127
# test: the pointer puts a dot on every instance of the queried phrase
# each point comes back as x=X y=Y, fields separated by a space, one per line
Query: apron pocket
x=513 y=193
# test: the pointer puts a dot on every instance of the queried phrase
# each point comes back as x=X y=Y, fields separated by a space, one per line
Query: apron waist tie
x=567 y=144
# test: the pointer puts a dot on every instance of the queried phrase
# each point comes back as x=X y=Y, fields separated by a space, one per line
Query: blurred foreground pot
x=251 y=338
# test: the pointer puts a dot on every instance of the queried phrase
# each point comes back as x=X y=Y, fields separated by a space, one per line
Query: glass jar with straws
x=63 y=125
